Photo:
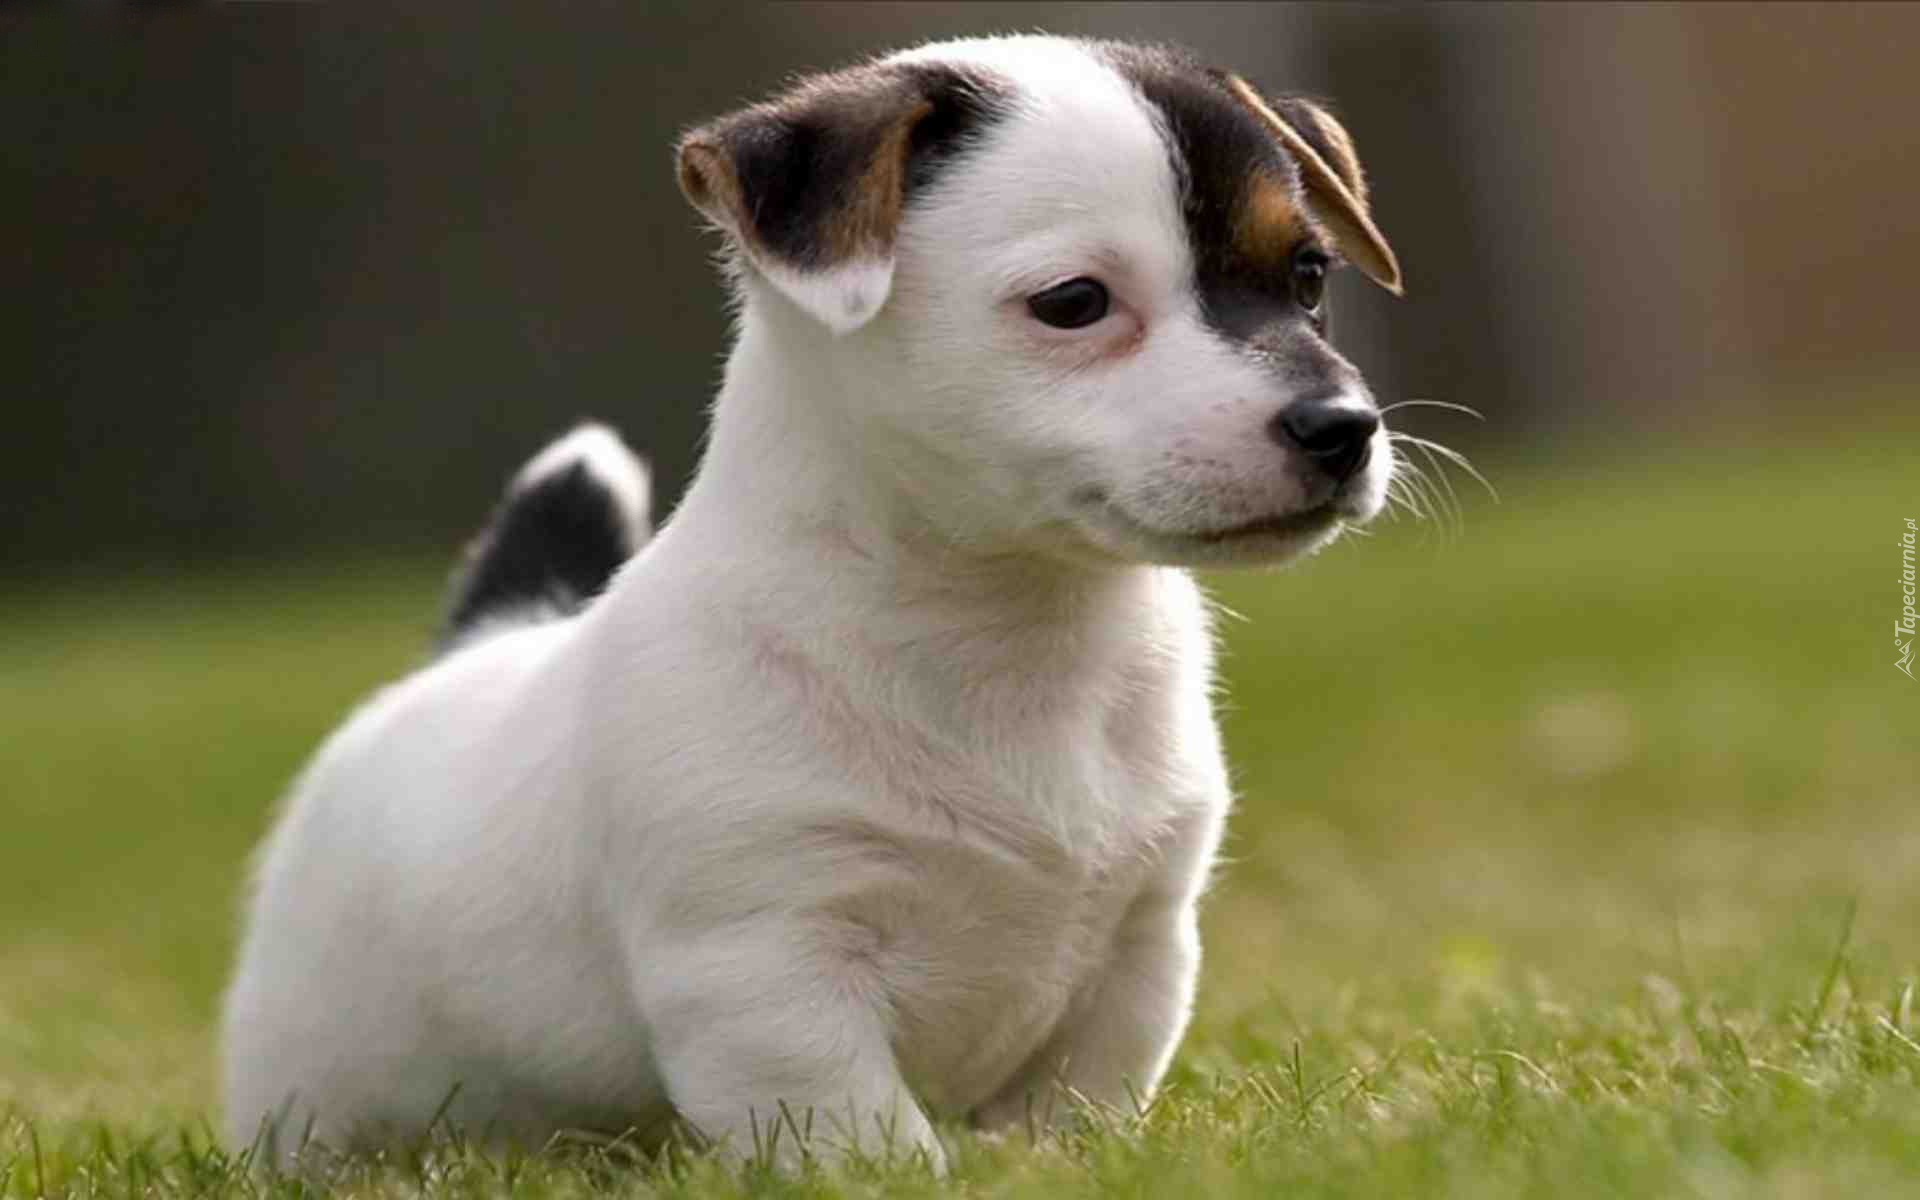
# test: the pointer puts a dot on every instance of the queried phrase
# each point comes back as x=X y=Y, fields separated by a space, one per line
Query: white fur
x=842 y=297
x=883 y=783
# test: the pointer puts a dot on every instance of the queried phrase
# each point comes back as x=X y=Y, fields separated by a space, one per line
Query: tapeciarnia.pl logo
x=1903 y=628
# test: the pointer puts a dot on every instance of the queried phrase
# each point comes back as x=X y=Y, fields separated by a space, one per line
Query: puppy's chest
x=993 y=964
x=978 y=855
x=1007 y=915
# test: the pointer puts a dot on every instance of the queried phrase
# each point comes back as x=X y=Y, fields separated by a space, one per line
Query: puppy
x=882 y=784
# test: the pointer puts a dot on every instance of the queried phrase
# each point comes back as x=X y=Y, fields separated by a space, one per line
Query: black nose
x=1336 y=437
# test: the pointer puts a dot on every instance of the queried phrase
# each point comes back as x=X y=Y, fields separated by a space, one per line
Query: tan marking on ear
x=1346 y=160
x=707 y=181
x=1269 y=222
x=866 y=224
x=863 y=225
x=1344 y=213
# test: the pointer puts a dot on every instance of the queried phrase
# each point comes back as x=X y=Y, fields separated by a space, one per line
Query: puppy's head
x=1077 y=289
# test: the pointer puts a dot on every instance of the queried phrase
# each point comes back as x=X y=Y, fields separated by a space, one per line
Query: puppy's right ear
x=810 y=186
x=1330 y=171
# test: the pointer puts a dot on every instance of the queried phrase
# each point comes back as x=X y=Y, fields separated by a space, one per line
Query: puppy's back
x=430 y=827
x=431 y=842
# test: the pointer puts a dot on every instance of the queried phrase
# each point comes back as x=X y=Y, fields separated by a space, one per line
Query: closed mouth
x=1311 y=520
x=1282 y=526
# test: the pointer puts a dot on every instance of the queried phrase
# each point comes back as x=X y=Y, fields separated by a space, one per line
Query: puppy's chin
x=1266 y=541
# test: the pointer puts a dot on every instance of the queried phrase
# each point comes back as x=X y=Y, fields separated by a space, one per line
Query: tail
x=567 y=522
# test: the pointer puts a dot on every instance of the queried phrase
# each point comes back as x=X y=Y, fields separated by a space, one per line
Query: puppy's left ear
x=1330 y=170
x=810 y=186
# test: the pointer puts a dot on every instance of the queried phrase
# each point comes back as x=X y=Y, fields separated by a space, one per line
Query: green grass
x=1578 y=853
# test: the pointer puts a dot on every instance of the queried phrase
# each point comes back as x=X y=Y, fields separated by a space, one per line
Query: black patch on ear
x=964 y=104
x=1218 y=147
x=801 y=160
x=777 y=162
x=794 y=167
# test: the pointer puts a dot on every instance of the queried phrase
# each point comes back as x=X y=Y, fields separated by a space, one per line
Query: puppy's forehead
x=1108 y=113
x=1065 y=114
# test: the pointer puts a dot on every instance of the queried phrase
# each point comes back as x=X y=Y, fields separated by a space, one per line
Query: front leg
x=1116 y=1042
x=767 y=1029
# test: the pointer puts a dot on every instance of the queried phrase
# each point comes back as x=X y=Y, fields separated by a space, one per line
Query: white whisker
x=1451 y=455
x=1412 y=489
x=1451 y=497
x=1448 y=405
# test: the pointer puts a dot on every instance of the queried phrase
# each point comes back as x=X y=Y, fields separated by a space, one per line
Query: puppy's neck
x=824 y=502
x=787 y=458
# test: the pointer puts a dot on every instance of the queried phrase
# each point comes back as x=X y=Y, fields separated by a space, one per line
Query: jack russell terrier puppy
x=881 y=785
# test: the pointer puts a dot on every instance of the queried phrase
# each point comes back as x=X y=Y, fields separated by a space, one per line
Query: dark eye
x=1309 y=279
x=1074 y=304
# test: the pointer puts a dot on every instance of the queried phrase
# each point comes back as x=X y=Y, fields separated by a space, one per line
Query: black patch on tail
x=548 y=549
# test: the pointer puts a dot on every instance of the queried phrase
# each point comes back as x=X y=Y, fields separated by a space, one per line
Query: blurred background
x=292 y=287
x=286 y=276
